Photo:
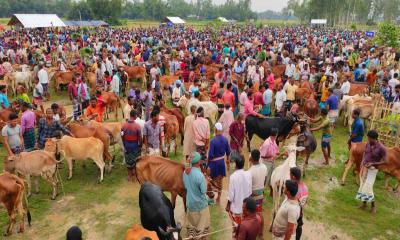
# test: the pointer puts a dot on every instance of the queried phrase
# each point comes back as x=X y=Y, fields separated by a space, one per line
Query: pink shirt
x=28 y=120
x=271 y=81
x=269 y=149
x=201 y=130
x=249 y=109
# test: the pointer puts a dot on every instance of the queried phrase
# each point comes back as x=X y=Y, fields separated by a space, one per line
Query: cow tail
x=28 y=213
x=136 y=175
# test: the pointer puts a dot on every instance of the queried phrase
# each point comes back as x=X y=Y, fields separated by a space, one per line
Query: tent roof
x=71 y=23
x=174 y=20
x=36 y=20
x=222 y=19
x=318 y=21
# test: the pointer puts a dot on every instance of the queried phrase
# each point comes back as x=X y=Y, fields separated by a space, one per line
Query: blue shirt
x=4 y=101
x=332 y=102
x=357 y=128
x=218 y=147
x=196 y=190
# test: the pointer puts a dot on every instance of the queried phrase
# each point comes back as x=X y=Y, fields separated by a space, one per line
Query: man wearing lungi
x=374 y=155
x=198 y=214
x=132 y=139
x=219 y=147
x=28 y=121
x=201 y=129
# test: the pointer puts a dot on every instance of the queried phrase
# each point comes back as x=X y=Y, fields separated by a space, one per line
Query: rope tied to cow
x=208 y=234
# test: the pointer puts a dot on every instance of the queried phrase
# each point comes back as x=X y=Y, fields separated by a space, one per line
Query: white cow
x=282 y=173
x=344 y=104
x=210 y=108
x=20 y=78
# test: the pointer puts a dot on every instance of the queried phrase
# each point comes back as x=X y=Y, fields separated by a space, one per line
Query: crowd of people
x=325 y=61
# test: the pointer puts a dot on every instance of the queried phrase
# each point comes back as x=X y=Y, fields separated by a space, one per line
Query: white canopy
x=174 y=20
x=318 y=21
x=36 y=20
x=222 y=19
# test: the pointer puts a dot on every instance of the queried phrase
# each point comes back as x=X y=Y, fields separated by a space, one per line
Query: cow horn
x=164 y=233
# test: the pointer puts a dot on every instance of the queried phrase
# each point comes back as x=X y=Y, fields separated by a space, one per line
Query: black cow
x=156 y=212
x=262 y=127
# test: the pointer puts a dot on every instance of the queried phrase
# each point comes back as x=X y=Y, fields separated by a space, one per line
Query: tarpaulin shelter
x=36 y=20
x=173 y=20
x=97 y=23
x=222 y=19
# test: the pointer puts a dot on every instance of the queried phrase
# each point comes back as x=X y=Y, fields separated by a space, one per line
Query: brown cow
x=136 y=72
x=91 y=80
x=303 y=93
x=137 y=232
x=178 y=114
x=390 y=168
x=36 y=163
x=279 y=70
x=171 y=129
x=62 y=78
x=11 y=194
x=112 y=103
x=358 y=88
x=167 y=80
x=98 y=132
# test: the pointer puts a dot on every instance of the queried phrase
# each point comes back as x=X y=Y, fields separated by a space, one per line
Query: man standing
x=269 y=150
x=128 y=108
x=4 y=103
x=147 y=102
x=326 y=134
x=236 y=133
x=13 y=140
x=44 y=80
x=28 y=121
x=346 y=85
x=239 y=189
x=152 y=135
x=302 y=195
x=201 y=129
x=228 y=97
x=95 y=110
x=48 y=128
x=226 y=120
x=198 y=214
x=115 y=83
x=219 y=148
x=286 y=218
x=251 y=226
x=374 y=156
x=357 y=128
x=132 y=139
x=188 y=145
x=332 y=104
x=291 y=92
x=267 y=100
x=280 y=98
x=243 y=98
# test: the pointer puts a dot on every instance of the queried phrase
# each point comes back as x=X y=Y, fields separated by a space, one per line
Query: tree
x=388 y=35
x=108 y=10
x=84 y=9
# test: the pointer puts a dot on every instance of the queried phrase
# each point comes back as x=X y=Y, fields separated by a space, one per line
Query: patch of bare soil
x=315 y=231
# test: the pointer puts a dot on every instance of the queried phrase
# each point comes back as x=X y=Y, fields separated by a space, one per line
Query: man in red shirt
x=250 y=227
x=228 y=97
x=258 y=96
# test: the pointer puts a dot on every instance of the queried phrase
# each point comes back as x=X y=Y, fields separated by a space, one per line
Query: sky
x=262 y=5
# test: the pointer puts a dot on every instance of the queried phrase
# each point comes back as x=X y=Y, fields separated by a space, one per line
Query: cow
x=303 y=93
x=390 y=168
x=36 y=163
x=62 y=78
x=262 y=127
x=282 y=173
x=163 y=172
x=279 y=70
x=137 y=232
x=19 y=78
x=112 y=102
x=171 y=130
x=366 y=107
x=210 y=108
x=167 y=80
x=157 y=213
x=136 y=72
x=11 y=194
x=358 y=88
x=178 y=114
x=78 y=149
x=343 y=104
x=98 y=132
x=311 y=107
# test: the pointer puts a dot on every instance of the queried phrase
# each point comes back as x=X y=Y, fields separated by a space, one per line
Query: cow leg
x=11 y=215
x=248 y=140
x=386 y=179
x=346 y=170
x=173 y=199
x=21 y=212
x=52 y=179
x=28 y=182
x=100 y=163
x=70 y=166
x=36 y=180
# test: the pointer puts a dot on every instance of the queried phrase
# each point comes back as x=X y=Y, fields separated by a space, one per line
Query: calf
x=138 y=232
x=35 y=163
x=210 y=108
x=156 y=212
x=78 y=149
x=171 y=130
x=179 y=116
x=390 y=168
x=11 y=194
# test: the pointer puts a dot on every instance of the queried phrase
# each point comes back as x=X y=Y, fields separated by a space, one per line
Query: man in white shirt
x=290 y=68
x=280 y=98
x=345 y=85
x=115 y=83
x=109 y=65
x=44 y=80
x=128 y=108
x=240 y=186
x=243 y=98
x=392 y=84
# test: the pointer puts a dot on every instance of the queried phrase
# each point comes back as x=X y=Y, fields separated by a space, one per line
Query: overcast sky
x=262 y=5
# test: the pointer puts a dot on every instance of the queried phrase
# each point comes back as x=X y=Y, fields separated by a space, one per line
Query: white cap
x=218 y=126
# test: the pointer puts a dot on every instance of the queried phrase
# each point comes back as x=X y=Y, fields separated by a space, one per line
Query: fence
x=386 y=121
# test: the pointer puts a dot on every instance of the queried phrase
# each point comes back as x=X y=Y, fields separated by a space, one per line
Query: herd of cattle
x=92 y=140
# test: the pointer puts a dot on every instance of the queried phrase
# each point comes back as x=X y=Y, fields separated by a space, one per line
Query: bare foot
x=373 y=210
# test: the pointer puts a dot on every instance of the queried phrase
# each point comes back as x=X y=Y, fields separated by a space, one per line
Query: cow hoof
x=29 y=195
x=342 y=183
x=69 y=178
x=21 y=230
x=99 y=181
x=53 y=198
x=6 y=234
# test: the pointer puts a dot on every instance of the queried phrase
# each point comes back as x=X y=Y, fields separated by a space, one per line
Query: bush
x=388 y=35
x=353 y=27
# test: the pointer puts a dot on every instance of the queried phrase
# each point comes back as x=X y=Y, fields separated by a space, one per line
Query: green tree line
x=344 y=11
x=113 y=10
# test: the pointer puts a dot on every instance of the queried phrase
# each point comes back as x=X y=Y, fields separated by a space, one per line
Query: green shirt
x=326 y=126
x=196 y=189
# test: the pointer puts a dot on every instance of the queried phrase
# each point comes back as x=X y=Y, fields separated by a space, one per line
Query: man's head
x=239 y=161
x=93 y=101
x=239 y=117
x=356 y=113
x=324 y=112
x=55 y=108
x=372 y=137
x=133 y=114
x=291 y=189
x=229 y=86
x=13 y=119
x=218 y=128
x=49 y=114
x=154 y=116
x=255 y=156
x=200 y=112
x=249 y=206
x=397 y=88
x=130 y=100
x=74 y=233
x=274 y=133
x=25 y=106
x=295 y=174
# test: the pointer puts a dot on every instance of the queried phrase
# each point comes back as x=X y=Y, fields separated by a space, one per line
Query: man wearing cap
x=374 y=155
x=219 y=147
x=201 y=129
x=198 y=215
x=176 y=93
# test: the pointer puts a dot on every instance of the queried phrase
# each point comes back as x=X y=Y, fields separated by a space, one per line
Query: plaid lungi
x=366 y=191
x=130 y=158
x=258 y=196
x=198 y=223
x=29 y=139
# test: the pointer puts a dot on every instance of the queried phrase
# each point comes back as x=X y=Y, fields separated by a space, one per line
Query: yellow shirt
x=325 y=93
x=291 y=92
